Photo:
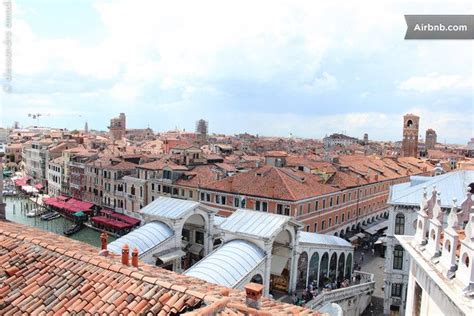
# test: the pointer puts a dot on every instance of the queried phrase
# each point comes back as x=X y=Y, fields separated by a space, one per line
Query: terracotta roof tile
x=76 y=280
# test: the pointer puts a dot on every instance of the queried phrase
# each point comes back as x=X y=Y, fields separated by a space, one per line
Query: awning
x=170 y=256
x=381 y=240
x=195 y=249
x=278 y=264
x=379 y=226
x=29 y=189
x=353 y=238
x=39 y=186
x=360 y=235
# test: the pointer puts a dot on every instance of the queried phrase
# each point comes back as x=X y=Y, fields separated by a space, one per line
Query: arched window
x=302 y=270
x=349 y=265
x=340 y=266
x=313 y=267
x=323 y=271
x=333 y=267
x=400 y=224
x=257 y=278
x=398 y=257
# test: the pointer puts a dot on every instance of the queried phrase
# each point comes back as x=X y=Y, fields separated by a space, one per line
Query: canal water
x=16 y=209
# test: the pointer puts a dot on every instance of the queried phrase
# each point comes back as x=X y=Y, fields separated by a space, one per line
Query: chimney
x=103 y=241
x=125 y=255
x=135 y=257
x=253 y=293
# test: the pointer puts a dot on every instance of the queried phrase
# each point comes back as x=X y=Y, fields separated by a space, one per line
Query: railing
x=366 y=286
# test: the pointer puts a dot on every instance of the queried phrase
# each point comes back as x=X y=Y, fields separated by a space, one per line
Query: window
x=316 y=206
x=324 y=203
x=323 y=223
x=236 y=202
x=300 y=210
x=337 y=220
x=190 y=194
x=307 y=228
x=166 y=174
x=264 y=206
x=342 y=217
x=185 y=235
x=257 y=205
x=343 y=198
x=398 y=257
x=399 y=224
x=330 y=202
x=330 y=222
x=337 y=200
x=315 y=227
x=242 y=203
x=199 y=237
x=279 y=209
x=202 y=196
x=397 y=289
x=287 y=210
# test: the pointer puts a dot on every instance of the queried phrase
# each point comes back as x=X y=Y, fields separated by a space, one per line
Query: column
x=293 y=270
x=268 y=267
x=307 y=268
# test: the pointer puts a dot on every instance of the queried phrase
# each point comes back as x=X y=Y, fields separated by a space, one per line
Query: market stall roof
x=80 y=204
x=111 y=223
x=378 y=226
x=124 y=218
x=39 y=186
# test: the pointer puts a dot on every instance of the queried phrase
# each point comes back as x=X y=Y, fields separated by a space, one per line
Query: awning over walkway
x=228 y=264
x=143 y=238
x=378 y=226
x=170 y=256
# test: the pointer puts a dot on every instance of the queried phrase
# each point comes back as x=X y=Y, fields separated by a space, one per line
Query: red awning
x=106 y=211
x=71 y=206
x=39 y=186
x=84 y=206
x=124 y=218
x=110 y=222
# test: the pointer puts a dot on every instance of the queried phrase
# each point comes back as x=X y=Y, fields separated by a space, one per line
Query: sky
x=274 y=68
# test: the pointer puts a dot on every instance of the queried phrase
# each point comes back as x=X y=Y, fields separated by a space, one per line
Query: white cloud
x=436 y=82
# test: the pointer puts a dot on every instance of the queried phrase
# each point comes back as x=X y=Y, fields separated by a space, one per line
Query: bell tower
x=410 y=135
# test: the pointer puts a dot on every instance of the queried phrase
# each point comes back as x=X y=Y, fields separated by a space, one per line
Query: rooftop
x=45 y=272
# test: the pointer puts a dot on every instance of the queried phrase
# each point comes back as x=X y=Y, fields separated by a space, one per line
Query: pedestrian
x=373 y=251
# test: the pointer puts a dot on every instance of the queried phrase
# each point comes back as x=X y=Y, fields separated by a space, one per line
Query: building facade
x=441 y=274
x=410 y=135
x=405 y=201
x=118 y=127
x=430 y=139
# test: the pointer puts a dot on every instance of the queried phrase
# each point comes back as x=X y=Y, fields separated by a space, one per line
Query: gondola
x=73 y=229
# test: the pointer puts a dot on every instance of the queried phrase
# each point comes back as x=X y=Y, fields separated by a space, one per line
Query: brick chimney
x=253 y=293
x=125 y=255
x=103 y=240
x=135 y=257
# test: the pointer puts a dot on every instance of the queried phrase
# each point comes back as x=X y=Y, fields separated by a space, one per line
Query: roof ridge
x=286 y=184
